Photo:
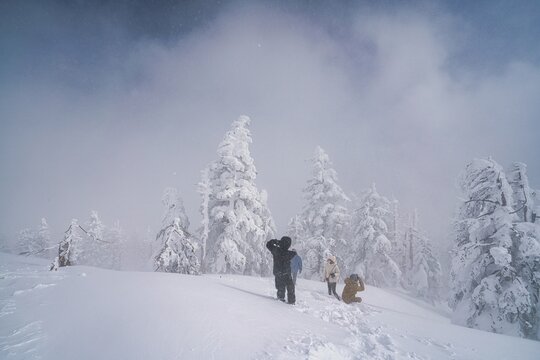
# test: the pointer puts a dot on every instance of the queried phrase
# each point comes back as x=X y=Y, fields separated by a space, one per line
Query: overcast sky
x=103 y=105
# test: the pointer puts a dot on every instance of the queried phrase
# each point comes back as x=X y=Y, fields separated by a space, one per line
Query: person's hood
x=333 y=258
x=285 y=243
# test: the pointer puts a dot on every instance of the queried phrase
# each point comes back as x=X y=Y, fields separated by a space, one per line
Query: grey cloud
x=384 y=96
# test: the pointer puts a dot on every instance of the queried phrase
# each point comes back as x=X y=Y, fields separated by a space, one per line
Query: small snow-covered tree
x=44 y=236
x=95 y=250
x=422 y=271
x=115 y=242
x=70 y=248
x=178 y=253
x=238 y=223
x=35 y=243
x=486 y=290
x=325 y=216
x=27 y=242
x=370 y=252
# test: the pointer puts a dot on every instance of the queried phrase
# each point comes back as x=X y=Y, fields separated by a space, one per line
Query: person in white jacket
x=331 y=275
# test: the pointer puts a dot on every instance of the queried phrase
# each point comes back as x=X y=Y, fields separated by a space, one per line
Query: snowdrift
x=89 y=313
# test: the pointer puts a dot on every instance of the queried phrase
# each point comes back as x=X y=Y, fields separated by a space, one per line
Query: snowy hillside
x=89 y=313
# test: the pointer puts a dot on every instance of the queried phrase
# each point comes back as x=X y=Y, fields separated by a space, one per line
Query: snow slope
x=89 y=313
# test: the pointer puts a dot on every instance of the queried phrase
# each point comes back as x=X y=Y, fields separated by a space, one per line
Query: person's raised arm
x=360 y=286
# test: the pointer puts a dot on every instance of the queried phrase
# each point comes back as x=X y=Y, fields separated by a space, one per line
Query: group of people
x=288 y=264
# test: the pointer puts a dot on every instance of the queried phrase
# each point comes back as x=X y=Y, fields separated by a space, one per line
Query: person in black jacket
x=282 y=267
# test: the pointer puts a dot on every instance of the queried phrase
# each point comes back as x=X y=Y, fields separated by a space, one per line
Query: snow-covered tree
x=115 y=244
x=370 y=253
x=204 y=189
x=526 y=243
x=178 y=253
x=269 y=231
x=95 y=250
x=27 y=242
x=296 y=231
x=238 y=219
x=396 y=235
x=422 y=271
x=174 y=208
x=44 y=238
x=526 y=261
x=324 y=216
x=35 y=243
x=70 y=248
x=486 y=290
x=523 y=196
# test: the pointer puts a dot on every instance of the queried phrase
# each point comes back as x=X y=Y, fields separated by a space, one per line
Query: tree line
x=493 y=283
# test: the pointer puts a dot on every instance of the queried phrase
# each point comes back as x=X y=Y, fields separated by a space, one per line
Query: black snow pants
x=285 y=281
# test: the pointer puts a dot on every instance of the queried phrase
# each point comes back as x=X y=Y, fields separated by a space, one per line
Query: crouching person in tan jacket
x=353 y=284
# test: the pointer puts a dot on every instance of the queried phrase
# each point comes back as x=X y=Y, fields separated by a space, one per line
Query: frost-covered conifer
x=174 y=208
x=178 y=253
x=422 y=271
x=369 y=253
x=269 y=231
x=487 y=291
x=296 y=231
x=115 y=244
x=27 y=242
x=70 y=248
x=526 y=244
x=239 y=221
x=324 y=216
x=95 y=250
x=524 y=199
x=204 y=189
x=44 y=236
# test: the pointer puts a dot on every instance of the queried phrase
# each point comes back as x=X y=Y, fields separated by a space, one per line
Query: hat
x=285 y=242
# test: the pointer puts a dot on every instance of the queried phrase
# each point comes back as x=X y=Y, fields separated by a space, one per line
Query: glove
x=333 y=275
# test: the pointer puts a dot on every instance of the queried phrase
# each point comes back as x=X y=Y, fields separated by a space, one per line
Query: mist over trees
x=493 y=277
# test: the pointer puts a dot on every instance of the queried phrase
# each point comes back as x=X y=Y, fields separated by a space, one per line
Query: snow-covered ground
x=89 y=313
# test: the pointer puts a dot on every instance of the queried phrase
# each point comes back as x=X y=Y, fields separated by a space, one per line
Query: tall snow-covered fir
x=370 y=250
x=324 y=217
x=487 y=291
x=239 y=221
